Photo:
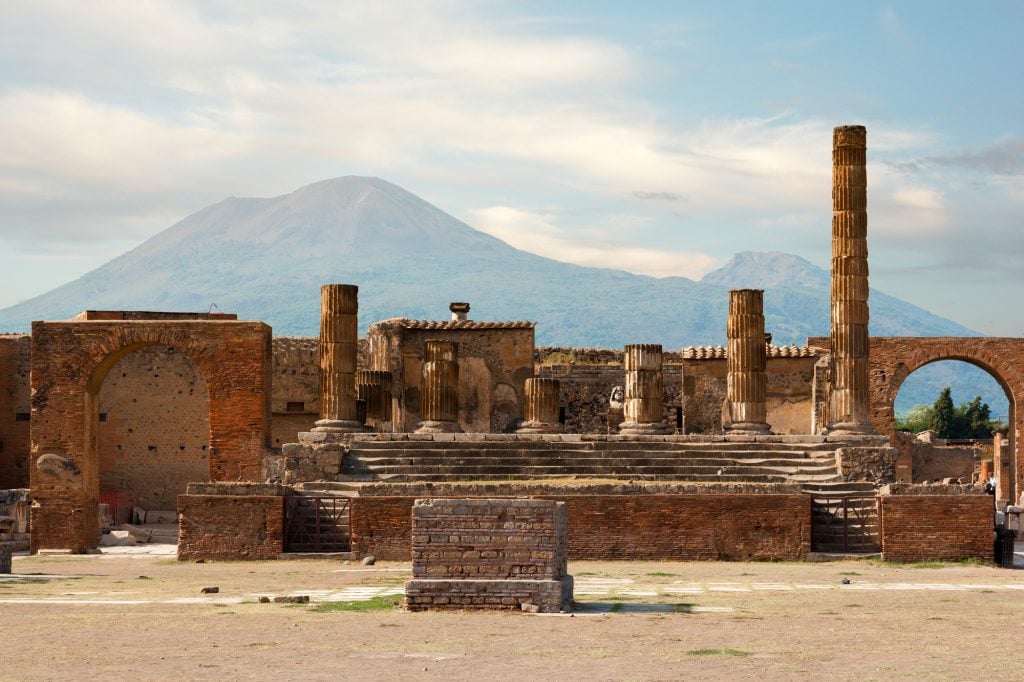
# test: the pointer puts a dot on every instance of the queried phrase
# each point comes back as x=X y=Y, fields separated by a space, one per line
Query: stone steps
x=592 y=445
x=410 y=461
x=637 y=457
x=582 y=468
x=525 y=475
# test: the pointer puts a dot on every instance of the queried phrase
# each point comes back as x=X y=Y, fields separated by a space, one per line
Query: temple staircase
x=811 y=464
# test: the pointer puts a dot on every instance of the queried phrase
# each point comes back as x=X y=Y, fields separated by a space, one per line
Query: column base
x=338 y=426
x=540 y=427
x=438 y=426
x=644 y=429
x=749 y=429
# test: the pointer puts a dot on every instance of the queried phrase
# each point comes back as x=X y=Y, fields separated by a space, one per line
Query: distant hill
x=265 y=259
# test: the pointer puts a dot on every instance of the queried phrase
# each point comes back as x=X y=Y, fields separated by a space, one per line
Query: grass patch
x=725 y=651
x=659 y=574
x=616 y=608
x=849 y=573
x=618 y=598
x=375 y=604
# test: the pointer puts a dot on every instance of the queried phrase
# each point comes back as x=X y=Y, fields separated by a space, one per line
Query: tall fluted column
x=439 y=388
x=374 y=387
x=543 y=405
x=644 y=402
x=746 y=361
x=849 y=397
x=339 y=334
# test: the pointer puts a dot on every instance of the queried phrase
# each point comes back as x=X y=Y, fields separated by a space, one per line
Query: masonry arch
x=893 y=359
x=70 y=362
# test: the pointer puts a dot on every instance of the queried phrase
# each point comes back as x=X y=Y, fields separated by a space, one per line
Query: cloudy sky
x=654 y=137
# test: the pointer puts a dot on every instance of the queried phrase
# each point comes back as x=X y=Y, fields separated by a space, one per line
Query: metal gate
x=316 y=523
x=845 y=524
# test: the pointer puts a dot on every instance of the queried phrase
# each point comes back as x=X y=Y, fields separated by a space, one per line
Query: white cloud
x=533 y=231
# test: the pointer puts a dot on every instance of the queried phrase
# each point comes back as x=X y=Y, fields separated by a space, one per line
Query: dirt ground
x=143 y=617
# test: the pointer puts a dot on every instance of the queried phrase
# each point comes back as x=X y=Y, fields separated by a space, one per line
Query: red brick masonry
x=231 y=526
x=930 y=527
x=633 y=527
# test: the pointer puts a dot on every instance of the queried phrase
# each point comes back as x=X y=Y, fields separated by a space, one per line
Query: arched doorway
x=957 y=450
x=70 y=363
x=153 y=433
x=894 y=358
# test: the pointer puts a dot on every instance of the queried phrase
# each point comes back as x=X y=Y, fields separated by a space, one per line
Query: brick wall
x=71 y=361
x=894 y=358
x=652 y=527
x=15 y=364
x=929 y=527
x=154 y=429
x=230 y=527
x=489 y=554
x=488 y=539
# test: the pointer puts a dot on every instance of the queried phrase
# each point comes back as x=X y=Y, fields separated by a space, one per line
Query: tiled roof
x=719 y=352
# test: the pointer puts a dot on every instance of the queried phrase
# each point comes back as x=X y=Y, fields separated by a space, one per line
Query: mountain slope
x=266 y=259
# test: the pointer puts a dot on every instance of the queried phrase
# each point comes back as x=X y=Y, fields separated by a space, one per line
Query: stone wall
x=295 y=393
x=226 y=521
x=495 y=360
x=694 y=380
x=682 y=527
x=488 y=554
x=154 y=427
x=15 y=365
x=874 y=464
x=922 y=527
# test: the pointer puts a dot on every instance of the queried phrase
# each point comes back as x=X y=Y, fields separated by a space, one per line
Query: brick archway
x=894 y=358
x=70 y=360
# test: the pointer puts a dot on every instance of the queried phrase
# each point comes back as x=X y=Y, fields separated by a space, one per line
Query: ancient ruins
x=384 y=445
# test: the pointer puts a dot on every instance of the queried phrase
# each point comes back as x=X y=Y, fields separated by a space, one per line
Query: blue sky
x=654 y=137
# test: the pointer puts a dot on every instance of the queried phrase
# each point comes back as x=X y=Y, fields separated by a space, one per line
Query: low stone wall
x=231 y=521
x=939 y=526
x=489 y=554
x=622 y=524
x=874 y=464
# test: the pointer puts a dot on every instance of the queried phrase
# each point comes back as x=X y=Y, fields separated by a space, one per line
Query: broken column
x=373 y=387
x=746 y=361
x=543 y=403
x=439 y=388
x=849 y=396
x=644 y=403
x=339 y=331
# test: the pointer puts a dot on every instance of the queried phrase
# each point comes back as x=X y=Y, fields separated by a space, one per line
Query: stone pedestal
x=339 y=334
x=374 y=388
x=746 y=360
x=543 y=403
x=500 y=554
x=644 y=403
x=439 y=388
x=849 y=397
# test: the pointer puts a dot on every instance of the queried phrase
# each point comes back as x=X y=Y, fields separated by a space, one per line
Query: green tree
x=944 y=416
x=977 y=419
x=917 y=419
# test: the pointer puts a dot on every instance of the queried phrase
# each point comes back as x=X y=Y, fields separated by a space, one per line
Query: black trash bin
x=1003 y=547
